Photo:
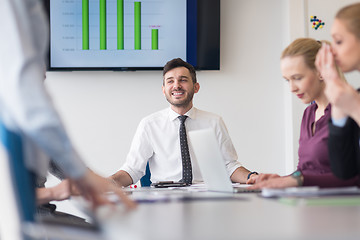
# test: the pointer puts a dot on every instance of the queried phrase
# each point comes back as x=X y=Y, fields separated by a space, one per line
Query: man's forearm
x=240 y=175
x=121 y=179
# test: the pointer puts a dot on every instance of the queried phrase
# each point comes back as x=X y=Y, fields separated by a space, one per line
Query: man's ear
x=196 y=87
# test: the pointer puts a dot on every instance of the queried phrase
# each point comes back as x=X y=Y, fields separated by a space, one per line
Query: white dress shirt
x=157 y=140
x=25 y=106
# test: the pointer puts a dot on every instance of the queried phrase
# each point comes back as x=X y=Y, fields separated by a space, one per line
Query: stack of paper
x=309 y=192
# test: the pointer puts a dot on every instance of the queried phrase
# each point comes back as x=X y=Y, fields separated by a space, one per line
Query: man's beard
x=183 y=103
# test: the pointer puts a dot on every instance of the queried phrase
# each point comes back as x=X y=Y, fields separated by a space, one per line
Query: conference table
x=181 y=214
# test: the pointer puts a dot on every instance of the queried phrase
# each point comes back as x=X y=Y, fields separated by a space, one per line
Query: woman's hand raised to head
x=341 y=95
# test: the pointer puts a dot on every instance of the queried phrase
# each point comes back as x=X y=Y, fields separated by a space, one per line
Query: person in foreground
x=344 y=127
x=298 y=68
x=26 y=108
x=158 y=137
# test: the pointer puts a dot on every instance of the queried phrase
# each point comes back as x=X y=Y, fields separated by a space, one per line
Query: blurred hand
x=341 y=95
x=325 y=64
x=278 y=182
x=337 y=113
x=61 y=191
x=93 y=188
x=261 y=177
x=73 y=189
x=57 y=193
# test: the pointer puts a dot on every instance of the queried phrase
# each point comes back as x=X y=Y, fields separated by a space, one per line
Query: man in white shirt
x=27 y=110
x=157 y=137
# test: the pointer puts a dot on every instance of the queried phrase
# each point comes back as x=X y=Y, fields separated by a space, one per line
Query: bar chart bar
x=137 y=25
x=154 y=39
x=85 y=24
x=120 y=24
x=102 y=24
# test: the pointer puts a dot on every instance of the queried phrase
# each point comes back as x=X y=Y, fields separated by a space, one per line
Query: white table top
x=247 y=216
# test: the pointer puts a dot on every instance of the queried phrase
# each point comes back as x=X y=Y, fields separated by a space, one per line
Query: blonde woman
x=344 y=127
x=298 y=69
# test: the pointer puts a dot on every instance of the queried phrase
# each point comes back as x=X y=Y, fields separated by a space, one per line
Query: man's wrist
x=251 y=173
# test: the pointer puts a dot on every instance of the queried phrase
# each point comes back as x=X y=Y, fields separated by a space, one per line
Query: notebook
x=310 y=192
x=211 y=163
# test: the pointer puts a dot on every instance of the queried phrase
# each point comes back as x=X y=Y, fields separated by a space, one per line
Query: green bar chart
x=117 y=33
x=121 y=34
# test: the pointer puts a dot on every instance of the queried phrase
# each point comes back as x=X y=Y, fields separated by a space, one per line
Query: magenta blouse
x=313 y=152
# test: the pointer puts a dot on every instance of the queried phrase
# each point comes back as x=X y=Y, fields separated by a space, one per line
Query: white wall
x=101 y=110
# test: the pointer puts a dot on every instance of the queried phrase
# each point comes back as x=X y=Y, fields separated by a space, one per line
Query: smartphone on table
x=166 y=184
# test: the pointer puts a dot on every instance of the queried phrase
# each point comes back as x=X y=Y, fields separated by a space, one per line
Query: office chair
x=19 y=185
x=145 y=180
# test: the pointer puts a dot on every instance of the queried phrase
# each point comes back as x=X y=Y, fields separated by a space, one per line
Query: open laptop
x=211 y=162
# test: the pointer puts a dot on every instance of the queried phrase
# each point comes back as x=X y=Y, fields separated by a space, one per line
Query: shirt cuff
x=135 y=177
x=232 y=166
x=339 y=122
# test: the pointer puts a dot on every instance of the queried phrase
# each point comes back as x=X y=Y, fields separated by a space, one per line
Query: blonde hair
x=308 y=48
x=350 y=15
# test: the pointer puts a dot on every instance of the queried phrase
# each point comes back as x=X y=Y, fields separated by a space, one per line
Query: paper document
x=309 y=192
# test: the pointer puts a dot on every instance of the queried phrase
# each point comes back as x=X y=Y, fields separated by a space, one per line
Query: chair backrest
x=18 y=185
x=145 y=180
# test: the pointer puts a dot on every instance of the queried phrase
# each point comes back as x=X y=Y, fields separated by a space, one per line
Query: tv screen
x=133 y=35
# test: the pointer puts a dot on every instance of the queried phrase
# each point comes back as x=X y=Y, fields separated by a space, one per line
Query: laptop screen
x=210 y=160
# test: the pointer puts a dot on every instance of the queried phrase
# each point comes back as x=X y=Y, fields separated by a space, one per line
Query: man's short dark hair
x=178 y=62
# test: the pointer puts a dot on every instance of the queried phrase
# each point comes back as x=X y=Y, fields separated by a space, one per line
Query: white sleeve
x=139 y=154
x=227 y=148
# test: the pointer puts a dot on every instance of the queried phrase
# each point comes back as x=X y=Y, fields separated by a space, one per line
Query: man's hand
x=261 y=177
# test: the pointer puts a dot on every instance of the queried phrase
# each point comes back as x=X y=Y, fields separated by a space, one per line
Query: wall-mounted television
x=124 y=35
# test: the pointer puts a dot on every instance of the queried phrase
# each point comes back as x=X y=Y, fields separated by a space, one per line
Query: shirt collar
x=328 y=107
x=174 y=115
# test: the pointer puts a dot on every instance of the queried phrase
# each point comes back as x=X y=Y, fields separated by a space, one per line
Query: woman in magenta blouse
x=298 y=69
